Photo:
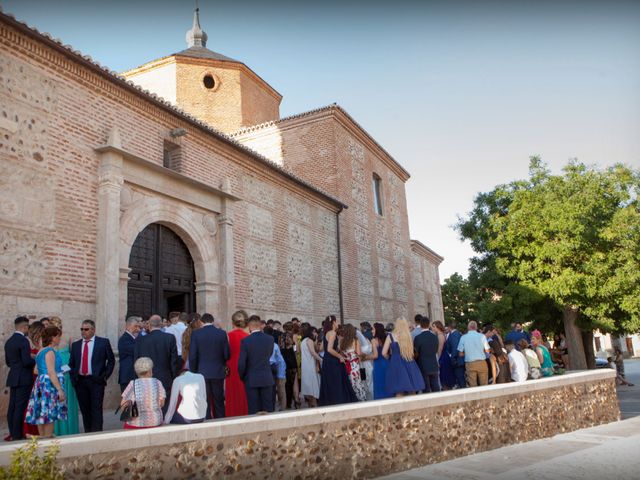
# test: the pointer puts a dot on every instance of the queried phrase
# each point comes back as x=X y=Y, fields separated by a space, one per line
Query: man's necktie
x=84 y=368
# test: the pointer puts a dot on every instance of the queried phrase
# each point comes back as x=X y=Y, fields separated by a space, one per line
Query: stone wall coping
x=85 y=444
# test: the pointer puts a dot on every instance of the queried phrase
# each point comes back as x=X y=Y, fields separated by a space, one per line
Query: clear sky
x=461 y=93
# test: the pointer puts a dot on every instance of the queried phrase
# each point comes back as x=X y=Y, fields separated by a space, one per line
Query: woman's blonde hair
x=56 y=322
x=402 y=335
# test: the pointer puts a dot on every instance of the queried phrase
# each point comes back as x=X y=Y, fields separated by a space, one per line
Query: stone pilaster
x=110 y=180
x=208 y=299
x=227 y=278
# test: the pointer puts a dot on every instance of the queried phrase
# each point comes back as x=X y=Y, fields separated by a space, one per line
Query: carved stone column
x=227 y=268
x=110 y=180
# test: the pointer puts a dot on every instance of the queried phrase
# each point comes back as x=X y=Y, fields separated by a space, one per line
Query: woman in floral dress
x=47 y=401
x=350 y=347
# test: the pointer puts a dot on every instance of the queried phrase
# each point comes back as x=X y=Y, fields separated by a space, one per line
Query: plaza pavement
x=606 y=451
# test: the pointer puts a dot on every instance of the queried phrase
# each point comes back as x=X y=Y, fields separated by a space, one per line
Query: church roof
x=115 y=77
x=203 y=52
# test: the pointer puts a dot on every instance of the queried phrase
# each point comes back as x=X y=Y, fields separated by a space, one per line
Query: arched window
x=377 y=194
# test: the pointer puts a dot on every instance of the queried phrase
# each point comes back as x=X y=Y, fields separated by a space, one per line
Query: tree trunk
x=589 y=352
x=573 y=335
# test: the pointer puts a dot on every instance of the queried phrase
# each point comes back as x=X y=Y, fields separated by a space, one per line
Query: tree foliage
x=459 y=300
x=26 y=464
x=557 y=242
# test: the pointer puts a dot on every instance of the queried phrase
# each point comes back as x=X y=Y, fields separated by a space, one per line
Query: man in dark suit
x=451 y=348
x=17 y=355
x=254 y=368
x=91 y=363
x=208 y=355
x=426 y=346
x=161 y=348
x=126 y=346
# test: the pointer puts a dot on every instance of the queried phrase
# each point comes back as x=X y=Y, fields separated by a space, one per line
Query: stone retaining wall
x=350 y=441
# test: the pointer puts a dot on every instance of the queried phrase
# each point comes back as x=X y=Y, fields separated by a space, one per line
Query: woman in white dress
x=310 y=367
x=366 y=361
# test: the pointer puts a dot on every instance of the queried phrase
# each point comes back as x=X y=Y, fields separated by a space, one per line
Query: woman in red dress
x=236 y=397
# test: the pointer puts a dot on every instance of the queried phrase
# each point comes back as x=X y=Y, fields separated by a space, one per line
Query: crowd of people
x=187 y=369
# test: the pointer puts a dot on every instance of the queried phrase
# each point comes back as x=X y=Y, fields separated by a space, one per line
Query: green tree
x=458 y=299
x=571 y=239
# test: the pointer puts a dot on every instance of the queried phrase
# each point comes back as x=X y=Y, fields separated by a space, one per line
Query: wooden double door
x=162 y=277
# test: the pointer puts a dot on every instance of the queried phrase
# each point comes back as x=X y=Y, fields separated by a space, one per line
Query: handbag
x=363 y=374
x=130 y=410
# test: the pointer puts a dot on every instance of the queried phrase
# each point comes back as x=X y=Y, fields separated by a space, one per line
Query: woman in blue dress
x=403 y=374
x=447 y=377
x=47 y=401
x=335 y=387
x=379 y=362
x=71 y=425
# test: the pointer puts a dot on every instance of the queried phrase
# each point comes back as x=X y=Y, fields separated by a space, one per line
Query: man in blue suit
x=426 y=346
x=91 y=363
x=208 y=355
x=17 y=355
x=254 y=368
x=451 y=347
x=126 y=346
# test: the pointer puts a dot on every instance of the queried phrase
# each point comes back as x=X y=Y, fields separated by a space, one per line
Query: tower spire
x=196 y=37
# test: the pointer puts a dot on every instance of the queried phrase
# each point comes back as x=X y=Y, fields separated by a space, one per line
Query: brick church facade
x=177 y=185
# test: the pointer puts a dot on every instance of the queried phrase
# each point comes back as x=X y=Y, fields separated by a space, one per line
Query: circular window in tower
x=208 y=81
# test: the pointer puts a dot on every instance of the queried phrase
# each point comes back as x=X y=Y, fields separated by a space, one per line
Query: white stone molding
x=134 y=193
x=107 y=267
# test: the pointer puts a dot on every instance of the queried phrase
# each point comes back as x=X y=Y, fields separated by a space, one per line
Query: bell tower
x=212 y=87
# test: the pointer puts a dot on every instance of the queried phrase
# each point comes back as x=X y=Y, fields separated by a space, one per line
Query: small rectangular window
x=377 y=194
x=171 y=156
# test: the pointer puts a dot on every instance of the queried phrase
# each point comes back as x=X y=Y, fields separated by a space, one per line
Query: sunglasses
x=84 y=329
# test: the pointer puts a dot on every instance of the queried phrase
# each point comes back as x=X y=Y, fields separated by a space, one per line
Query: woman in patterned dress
x=350 y=347
x=148 y=393
x=47 y=401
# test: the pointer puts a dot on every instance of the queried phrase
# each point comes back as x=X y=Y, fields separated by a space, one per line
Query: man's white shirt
x=518 y=366
x=177 y=330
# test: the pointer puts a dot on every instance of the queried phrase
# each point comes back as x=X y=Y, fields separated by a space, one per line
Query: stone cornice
x=424 y=251
x=178 y=177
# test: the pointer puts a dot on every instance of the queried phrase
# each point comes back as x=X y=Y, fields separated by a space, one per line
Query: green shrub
x=26 y=464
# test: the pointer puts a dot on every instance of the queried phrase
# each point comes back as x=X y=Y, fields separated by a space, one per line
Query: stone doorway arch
x=198 y=232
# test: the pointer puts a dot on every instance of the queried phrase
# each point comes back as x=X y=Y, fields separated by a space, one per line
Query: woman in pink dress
x=236 y=397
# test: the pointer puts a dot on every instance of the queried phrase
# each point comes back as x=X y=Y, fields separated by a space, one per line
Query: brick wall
x=327 y=148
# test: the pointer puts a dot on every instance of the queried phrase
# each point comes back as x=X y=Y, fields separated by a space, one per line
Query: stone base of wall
x=350 y=441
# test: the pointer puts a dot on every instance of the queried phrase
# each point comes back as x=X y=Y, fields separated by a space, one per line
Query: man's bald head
x=155 y=322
